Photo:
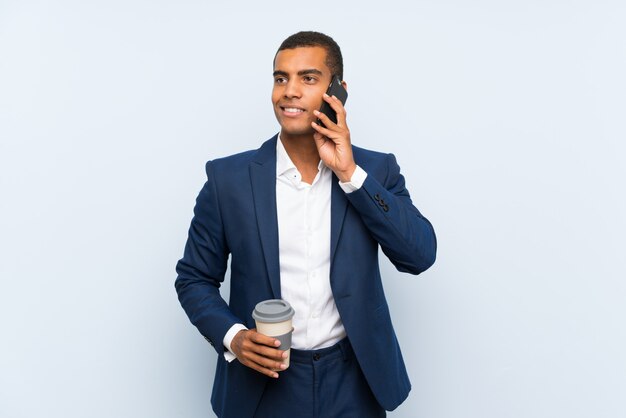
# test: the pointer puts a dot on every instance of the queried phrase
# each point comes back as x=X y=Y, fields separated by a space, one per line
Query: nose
x=292 y=89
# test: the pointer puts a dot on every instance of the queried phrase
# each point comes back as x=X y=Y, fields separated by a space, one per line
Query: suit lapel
x=338 y=205
x=263 y=180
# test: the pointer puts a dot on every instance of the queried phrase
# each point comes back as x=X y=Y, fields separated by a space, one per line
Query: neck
x=301 y=149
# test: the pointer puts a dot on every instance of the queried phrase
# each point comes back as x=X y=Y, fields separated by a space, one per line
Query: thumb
x=319 y=139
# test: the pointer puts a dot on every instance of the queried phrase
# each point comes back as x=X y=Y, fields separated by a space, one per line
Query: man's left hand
x=333 y=141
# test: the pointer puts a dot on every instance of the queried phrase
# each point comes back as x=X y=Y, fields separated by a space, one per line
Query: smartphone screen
x=334 y=89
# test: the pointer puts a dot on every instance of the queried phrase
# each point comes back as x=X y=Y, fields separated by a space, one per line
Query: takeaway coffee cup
x=273 y=318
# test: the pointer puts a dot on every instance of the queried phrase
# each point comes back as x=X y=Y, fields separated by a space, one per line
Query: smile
x=292 y=110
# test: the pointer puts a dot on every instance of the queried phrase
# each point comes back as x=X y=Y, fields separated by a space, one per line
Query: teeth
x=293 y=110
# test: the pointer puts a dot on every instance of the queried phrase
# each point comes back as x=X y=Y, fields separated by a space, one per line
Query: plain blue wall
x=506 y=117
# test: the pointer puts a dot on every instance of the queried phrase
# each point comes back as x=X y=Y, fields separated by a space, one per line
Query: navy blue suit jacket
x=235 y=215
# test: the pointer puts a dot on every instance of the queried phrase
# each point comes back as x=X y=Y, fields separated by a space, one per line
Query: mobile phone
x=334 y=89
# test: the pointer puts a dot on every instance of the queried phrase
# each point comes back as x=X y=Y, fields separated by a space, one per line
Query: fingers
x=262 y=365
x=337 y=106
x=328 y=123
x=263 y=339
x=320 y=129
x=330 y=129
x=256 y=351
x=324 y=119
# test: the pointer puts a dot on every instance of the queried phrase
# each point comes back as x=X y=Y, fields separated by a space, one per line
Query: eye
x=309 y=79
x=280 y=80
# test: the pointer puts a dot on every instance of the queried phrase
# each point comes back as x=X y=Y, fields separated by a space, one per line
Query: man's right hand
x=258 y=352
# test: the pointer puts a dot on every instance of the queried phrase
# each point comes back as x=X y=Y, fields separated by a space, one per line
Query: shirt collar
x=283 y=162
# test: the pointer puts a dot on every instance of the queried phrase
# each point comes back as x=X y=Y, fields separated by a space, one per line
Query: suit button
x=377 y=197
x=386 y=208
x=316 y=356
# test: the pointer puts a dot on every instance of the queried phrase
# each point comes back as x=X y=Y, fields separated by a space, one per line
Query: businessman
x=302 y=219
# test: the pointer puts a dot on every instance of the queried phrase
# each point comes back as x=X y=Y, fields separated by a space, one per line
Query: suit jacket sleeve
x=405 y=236
x=202 y=268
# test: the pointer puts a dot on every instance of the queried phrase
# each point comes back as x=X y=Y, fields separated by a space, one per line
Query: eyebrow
x=300 y=73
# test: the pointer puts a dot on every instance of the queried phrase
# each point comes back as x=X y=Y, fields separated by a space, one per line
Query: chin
x=289 y=129
x=297 y=132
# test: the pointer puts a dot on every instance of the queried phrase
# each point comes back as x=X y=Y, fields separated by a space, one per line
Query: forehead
x=304 y=58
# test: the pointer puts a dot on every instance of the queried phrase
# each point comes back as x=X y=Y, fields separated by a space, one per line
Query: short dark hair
x=334 y=60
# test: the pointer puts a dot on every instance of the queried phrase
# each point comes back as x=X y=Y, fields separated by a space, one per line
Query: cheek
x=317 y=96
x=275 y=95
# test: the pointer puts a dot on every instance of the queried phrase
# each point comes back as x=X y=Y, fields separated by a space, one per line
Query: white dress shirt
x=304 y=253
x=304 y=250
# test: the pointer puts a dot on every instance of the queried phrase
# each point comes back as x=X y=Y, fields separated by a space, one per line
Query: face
x=301 y=77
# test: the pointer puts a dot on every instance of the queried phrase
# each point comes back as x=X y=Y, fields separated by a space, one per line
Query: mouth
x=291 y=111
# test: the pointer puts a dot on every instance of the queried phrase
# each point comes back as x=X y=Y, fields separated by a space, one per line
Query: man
x=302 y=219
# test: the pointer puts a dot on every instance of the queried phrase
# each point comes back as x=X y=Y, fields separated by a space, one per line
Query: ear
x=345 y=85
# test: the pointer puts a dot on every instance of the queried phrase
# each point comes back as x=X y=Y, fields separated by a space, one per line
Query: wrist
x=345 y=176
x=233 y=337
